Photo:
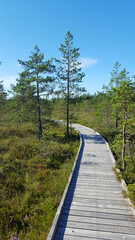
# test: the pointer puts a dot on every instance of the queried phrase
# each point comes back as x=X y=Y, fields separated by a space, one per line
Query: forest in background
x=37 y=154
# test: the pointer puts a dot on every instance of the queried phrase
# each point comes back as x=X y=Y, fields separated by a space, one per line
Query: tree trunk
x=124 y=140
x=68 y=101
x=107 y=119
x=39 y=120
x=116 y=120
x=39 y=111
x=124 y=147
x=116 y=117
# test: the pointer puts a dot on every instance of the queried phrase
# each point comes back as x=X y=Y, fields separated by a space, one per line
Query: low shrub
x=131 y=189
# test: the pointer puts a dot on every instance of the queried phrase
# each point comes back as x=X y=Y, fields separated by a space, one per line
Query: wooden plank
x=95 y=220
x=100 y=206
x=94 y=234
x=97 y=209
x=101 y=227
x=102 y=215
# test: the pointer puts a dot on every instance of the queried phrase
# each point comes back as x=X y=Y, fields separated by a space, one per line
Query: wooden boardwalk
x=94 y=206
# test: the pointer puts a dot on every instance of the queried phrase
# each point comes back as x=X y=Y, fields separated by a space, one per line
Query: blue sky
x=104 y=30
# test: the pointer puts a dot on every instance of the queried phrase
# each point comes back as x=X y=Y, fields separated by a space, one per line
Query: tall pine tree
x=69 y=72
x=36 y=69
x=114 y=83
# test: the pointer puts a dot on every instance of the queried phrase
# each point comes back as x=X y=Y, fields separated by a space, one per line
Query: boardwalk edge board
x=59 y=210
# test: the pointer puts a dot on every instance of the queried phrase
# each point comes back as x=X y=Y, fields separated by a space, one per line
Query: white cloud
x=17 y=65
x=88 y=62
x=7 y=80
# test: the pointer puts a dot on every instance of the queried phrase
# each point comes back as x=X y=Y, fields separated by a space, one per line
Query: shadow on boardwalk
x=68 y=201
x=96 y=139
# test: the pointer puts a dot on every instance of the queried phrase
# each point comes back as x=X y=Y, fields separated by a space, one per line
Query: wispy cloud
x=7 y=80
x=88 y=62
x=17 y=65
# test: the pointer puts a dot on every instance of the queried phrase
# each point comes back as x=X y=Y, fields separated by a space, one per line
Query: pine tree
x=69 y=72
x=36 y=68
x=114 y=83
x=124 y=103
x=3 y=96
x=24 y=96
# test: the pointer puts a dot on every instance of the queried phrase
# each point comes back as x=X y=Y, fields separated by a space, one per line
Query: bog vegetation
x=33 y=175
x=37 y=153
